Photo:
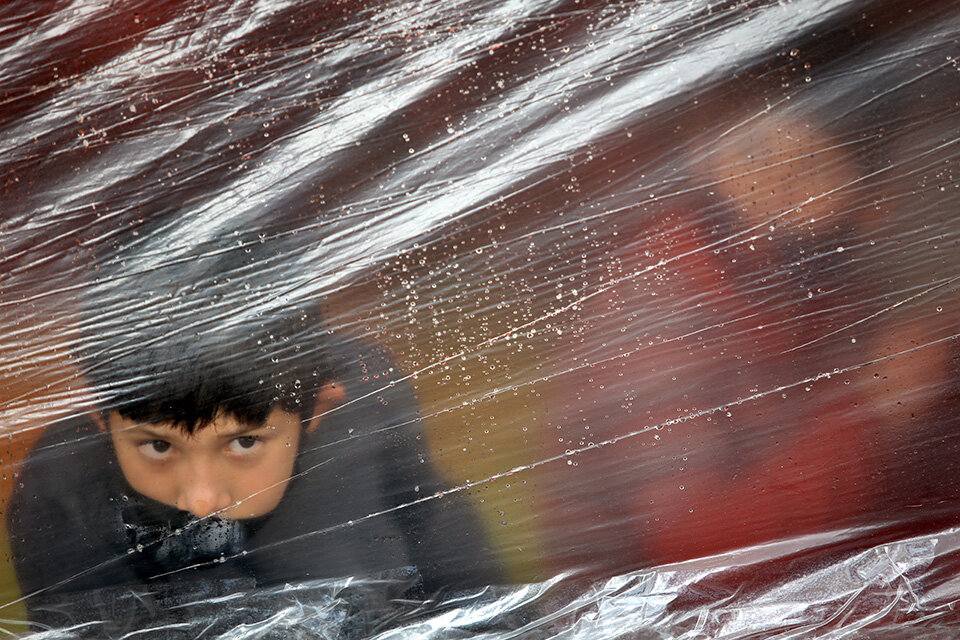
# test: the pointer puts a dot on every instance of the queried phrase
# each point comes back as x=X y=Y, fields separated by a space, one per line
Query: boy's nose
x=202 y=496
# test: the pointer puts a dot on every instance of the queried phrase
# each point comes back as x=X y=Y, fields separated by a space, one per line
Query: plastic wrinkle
x=486 y=319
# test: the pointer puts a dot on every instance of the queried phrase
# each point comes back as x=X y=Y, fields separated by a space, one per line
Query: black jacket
x=365 y=500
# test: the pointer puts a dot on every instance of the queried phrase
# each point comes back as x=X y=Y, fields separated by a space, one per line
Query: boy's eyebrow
x=149 y=430
x=246 y=428
x=166 y=432
x=153 y=431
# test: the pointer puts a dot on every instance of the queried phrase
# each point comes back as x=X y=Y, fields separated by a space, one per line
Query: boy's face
x=227 y=468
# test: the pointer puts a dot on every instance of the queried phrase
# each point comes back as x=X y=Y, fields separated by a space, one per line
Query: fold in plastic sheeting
x=636 y=319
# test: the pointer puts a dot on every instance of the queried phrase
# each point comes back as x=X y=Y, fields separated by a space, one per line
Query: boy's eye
x=244 y=444
x=155 y=448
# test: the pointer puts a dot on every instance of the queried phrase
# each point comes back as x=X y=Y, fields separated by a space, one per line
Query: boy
x=237 y=442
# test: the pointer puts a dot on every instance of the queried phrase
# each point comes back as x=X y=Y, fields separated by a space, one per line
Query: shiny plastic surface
x=603 y=320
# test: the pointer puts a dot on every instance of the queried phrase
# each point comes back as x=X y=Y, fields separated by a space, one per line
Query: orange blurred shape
x=781 y=170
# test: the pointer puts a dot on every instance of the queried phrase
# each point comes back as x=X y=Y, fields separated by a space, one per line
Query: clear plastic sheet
x=561 y=319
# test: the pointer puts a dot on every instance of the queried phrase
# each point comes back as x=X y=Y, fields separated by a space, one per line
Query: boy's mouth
x=173 y=539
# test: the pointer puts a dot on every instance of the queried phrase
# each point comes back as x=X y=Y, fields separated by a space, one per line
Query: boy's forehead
x=223 y=423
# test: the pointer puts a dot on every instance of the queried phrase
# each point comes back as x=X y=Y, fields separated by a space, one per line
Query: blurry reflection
x=671 y=282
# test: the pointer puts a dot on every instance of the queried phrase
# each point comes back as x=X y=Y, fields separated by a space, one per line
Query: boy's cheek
x=258 y=504
x=259 y=491
x=144 y=478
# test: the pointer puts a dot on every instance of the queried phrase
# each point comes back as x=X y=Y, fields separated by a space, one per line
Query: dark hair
x=181 y=335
